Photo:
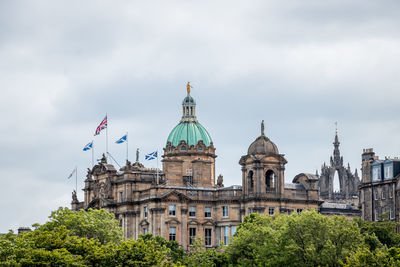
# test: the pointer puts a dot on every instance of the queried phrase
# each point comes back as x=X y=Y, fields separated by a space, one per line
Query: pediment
x=175 y=196
x=208 y=223
x=193 y=222
x=172 y=221
x=144 y=222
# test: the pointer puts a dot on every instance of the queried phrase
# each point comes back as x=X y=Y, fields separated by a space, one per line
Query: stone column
x=184 y=228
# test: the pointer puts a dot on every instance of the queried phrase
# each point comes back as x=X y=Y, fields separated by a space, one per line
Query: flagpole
x=107 y=137
x=157 y=168
x=126 y=146
x=76 y=178
x=92 y=154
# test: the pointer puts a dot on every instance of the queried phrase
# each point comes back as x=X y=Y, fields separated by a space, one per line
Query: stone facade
x=184 y=201
x=380 y=188
x=346 y=200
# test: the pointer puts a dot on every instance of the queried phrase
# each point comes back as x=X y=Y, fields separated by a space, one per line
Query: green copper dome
x=191 y=132
x=189 y=129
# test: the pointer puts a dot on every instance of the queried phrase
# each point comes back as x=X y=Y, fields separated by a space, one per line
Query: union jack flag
x=103 y=125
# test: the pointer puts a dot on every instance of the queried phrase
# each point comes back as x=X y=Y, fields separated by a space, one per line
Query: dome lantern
x=188 y=106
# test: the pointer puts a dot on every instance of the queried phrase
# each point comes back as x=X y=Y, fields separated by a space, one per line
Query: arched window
x=270 y=179
x=191 y=111
x=183 y=148
x=251 y=180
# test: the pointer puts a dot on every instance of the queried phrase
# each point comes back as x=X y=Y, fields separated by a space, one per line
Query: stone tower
x=347 y=180
x=263 y=168
x=189 y=155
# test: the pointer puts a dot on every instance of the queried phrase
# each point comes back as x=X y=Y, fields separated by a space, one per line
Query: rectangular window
x=225 y=211
x=390 y=192
x=233 y=229
x=121 y=196
x=383 y=193
x=207 y=236
x=192 y=211
x=376 y=194
x=391 y=213
x=144 y=230
x=271 y=210
x=249 y=211
x=172 y=210
x=207 y=212
x=299 y=211
x=145 y=211
x=375 y=173
x=226 y=235
x=388 y=172
x=376 y=215
x=192 y=235
x=172 y=233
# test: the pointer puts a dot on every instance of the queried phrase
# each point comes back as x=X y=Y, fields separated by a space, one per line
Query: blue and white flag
x=88 y=146
x=122 y=139
x=151 y=156
x=72 y=173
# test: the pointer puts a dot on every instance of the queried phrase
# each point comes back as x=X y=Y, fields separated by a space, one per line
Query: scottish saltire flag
x=122 y=139
x=88 y=146
x=102 y=126
x=72 y=173
x=151 y=156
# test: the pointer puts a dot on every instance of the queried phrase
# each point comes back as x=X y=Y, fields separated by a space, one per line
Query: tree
x=309 y=239
x=99 y=224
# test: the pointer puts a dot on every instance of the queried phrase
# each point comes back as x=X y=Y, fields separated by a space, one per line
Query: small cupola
x=262 y=145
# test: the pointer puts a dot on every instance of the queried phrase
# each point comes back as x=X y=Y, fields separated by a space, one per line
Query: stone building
x=379 y=189
x=185 y=200
x=345 y=200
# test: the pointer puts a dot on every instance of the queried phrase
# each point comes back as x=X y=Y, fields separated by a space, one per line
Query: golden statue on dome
x=188 y=86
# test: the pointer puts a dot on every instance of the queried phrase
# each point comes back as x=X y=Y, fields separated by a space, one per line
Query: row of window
x=387 y=172
x=383 y=193
x=192 y=211
x=391 y=217
x=226 y=234
x=192 y=235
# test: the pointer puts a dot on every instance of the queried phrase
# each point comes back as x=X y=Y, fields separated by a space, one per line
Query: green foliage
x=98 y=223
x=309 y=239
x=93 y=238
x=174 y=250
x=202 y=257
x=384 y=230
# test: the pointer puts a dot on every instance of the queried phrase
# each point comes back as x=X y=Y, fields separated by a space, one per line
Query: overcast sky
x=298 y=65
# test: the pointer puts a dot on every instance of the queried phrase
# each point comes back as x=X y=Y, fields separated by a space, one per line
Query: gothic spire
x=336 y=143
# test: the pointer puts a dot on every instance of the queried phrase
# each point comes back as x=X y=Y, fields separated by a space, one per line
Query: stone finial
x=262 y=128
x=137 y=155
x=220 y=181
x=103 y=159
x=74 y=197
x=89 y=174
x=336 y=127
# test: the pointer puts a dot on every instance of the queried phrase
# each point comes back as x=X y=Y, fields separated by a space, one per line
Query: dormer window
x=200 y=148
x=388 y=172
x=183 y=148
x=375 y=173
